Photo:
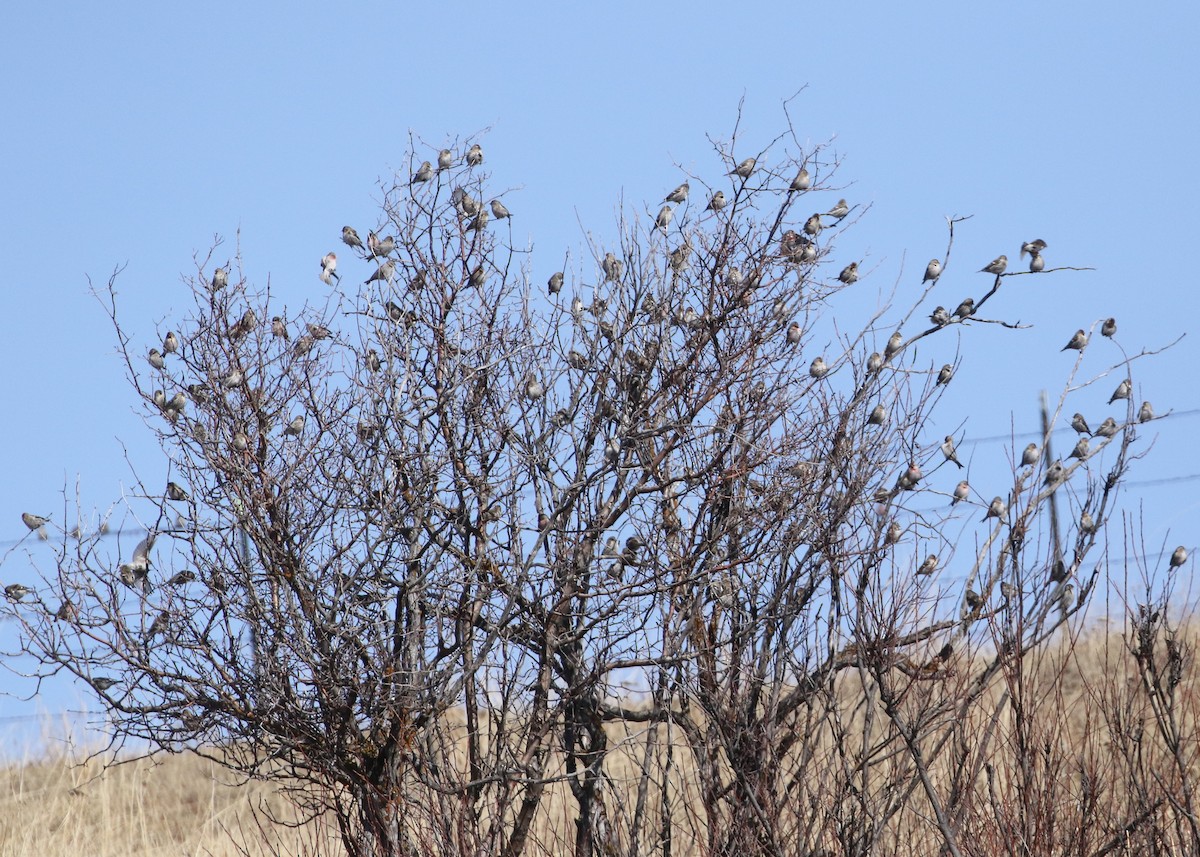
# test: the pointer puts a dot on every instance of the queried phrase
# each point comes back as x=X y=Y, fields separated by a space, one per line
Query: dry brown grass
x=188 y=805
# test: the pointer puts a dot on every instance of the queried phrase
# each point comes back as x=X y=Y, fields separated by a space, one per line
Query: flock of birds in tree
x=795 y=247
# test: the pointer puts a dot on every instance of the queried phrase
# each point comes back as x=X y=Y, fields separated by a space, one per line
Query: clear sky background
x=135 y=132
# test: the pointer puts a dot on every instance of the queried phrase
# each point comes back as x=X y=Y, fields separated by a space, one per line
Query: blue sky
x=137 y=131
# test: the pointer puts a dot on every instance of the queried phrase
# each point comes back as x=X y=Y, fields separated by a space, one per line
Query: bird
x=1066 y=598
x=220 y=278
x=16 y=591
x=1087 y=524
x=34 y=522
x=679 y=194
x=940 y=316
x=965 y=309
x=893 y=534
x=445 y=159
x=949 y=451
x=160 y=400
x=474 y=155
x=371 y=360
x=612 y=266
x=1033 y=248
x=295 y=427
x=240 y=441
x=849 y=274
x=840 y=210
x=182 y=577
x=499 y=210
x=555 y=283
x=350 y=237
x=478 y=222
x=534 y=389
x=996 y=266
x=1054 y=474
x=717 y=202
x=1109 y=328
x=384 y=246
x=929 y=566
x=813 y=226
x=383 y=273
x=612 y=449
x=818 y=369
x=478 y=277
x=1031 y=455
x=961 y=492
x=279 y=328
x=1122 y=392
x=233 y=379
x=793 y=333
x=1146 y=413
x=576 y=360
x=1178 y=557
x=156 y=359
x=972 y=599
x=1036 y=264
x=176 y=493
x=996 y=509
x=1081 y=449
x=664 y=217
x=1080 y=424
x=424 y=174
x=1008 y=591
x=910 y=477
x=138 y=567
x=159 y=625
x=801 y=181
x=1108 y=428
x=875 y=362
x=1077 y=341
x=329 y=269
x=894 y=344
x=170 y=343
x=102 y=684
x=945 y=374
x=878 y=416
x=744 y=169
x=932 y=271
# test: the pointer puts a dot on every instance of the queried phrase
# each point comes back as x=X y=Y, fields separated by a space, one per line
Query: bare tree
x=455 y=539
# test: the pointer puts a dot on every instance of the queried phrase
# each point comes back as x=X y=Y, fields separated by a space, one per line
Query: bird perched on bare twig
x=932 y=271
x=679 y=194
x=1031 y=455
x=1080 y=424
x=962 y=491
x=474 y=155
x=1081 y=449
x=744 y=169
x=383 y=273
x=220 y=278
x=295 y=427
x=155 y=359
x=34 y=522
x=996 y=509
x=929 y=566
x=176 y=493
x=940 y=316
x=445 y=159
x=965 y=309
x=1054 y=474
x=849 y=274
x=840 y=210
x=1108 y=428
x=423 y=174
x=894 y=344
x=1178 y=557
x=1109 y=328
x=1037 y=264
x=878 y=416
x=500 y=211
x=717 y=202
x=997 y=266
x=1077 y=342
x=555 y=283
x=949 y=452
x=813 y=225
x=350 y=237
x=664 y=217
x=170 y=343
x=1146 y=413
x=945 y=374
x=818 y=369
x=1122 y=392
x=802 y=181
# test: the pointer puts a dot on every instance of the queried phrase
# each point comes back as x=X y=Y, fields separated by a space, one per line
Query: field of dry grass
x=190 y=806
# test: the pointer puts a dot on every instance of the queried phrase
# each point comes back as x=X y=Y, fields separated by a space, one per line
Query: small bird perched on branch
x=932 y=271
x=997 y=266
